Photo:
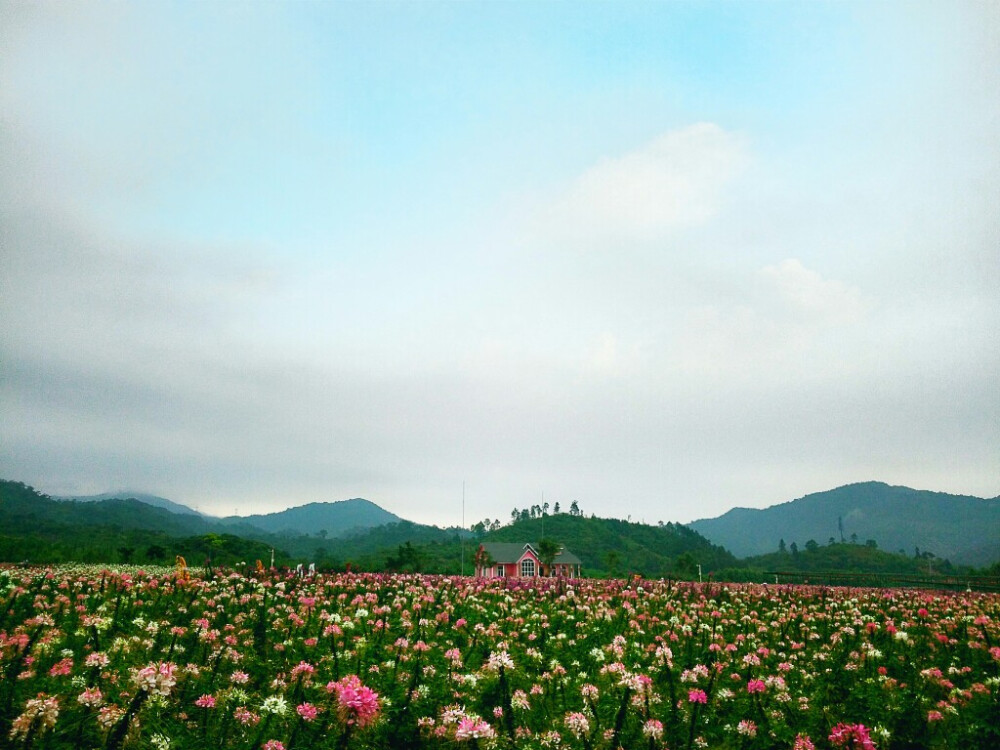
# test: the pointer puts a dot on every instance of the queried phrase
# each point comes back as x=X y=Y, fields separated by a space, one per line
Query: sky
x=661 y=259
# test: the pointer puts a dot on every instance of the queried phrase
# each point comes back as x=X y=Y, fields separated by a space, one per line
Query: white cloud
x=789 y=320
x=673 y=182
x=808 y=294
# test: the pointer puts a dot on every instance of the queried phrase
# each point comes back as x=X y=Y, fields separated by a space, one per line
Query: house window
x=501 y=572
x=527 y=568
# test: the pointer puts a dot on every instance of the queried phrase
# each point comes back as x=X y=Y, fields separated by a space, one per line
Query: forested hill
x=143 y=511
x=963 y=529
x=25 y=509
x=36 y=527
x=618 y=547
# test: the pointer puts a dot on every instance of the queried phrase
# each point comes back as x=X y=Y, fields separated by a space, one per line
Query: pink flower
x=307 y=711
x=577 y=723
x=756 y=686
x=96 y=659
x=91 y=697
x=747 y=728
x=472 y=727
x=802 y=742
x=205 y=701
x=851 y=736
x=697 y=696
x=303 y=668
x=156 y=678
x=653 y=729
x=61 y=668
x=40 y=712
x=273 y=745
x=246 y=717
x=357 y=704
x=933 y=716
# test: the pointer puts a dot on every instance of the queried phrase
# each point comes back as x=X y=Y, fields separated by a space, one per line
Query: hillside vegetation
x=39 y=529
x=608 y=545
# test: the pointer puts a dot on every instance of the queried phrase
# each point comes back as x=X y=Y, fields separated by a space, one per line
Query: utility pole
x=463 y=527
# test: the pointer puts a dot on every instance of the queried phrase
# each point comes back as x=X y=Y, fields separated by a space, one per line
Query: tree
x=781 y=546
x=407 y=559
x=555 y=508
x=547 y=551
x=482 y=559
x=686 y=563
x=574 y=508
x=811 y=545
x=612 y=560
x=871 y=543
x=794 y=549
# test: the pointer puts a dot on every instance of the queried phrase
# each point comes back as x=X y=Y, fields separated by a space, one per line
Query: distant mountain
x=40 y=528
x=963 y=529
x=337 y=519
x=136 y=510
x=142 y=497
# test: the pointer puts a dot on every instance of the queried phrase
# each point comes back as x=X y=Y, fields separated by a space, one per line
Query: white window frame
x=528 y=567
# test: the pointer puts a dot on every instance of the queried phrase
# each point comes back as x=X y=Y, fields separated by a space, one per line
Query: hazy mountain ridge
x=154 y=500
x=336 y=519
x=961 y=528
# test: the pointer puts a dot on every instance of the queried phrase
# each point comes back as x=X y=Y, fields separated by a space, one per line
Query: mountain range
x=963 y=529
x=333 y=519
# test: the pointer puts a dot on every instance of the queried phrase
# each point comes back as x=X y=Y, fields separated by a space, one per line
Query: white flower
x=498 y=660
x=274 y=704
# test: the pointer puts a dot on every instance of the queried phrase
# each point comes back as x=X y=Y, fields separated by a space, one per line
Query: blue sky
x=658 y=258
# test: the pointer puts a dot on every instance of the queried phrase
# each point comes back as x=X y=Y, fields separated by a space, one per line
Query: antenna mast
x=463 y=527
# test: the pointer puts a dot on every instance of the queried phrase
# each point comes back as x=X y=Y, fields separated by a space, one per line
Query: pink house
x=521 y=560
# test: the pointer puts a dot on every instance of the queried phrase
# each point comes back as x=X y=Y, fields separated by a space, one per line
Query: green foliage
x=611 y=546
x=845 y=558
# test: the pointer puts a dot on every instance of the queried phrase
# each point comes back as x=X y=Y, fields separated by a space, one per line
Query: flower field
x=101 y=659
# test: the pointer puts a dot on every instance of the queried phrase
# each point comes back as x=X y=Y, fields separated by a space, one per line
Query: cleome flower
x=499 y=660
x=40 y=713
x=357 y=705
x=156 y=679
